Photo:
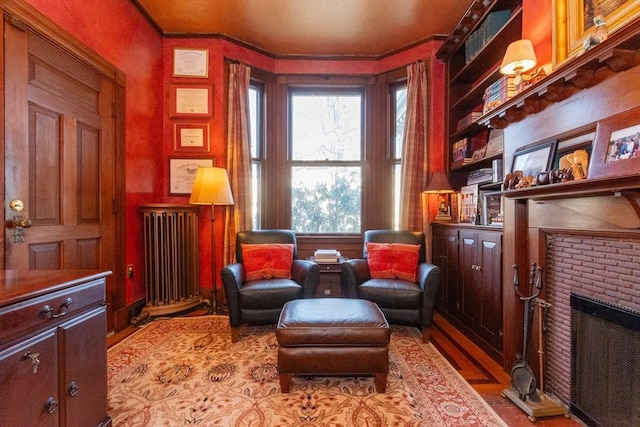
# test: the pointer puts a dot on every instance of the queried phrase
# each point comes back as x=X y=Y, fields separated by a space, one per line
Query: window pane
x=396 y=196
x=326 y=127
x=326 y=199
x=400 y=114
x=255 y=195
x=254 y=96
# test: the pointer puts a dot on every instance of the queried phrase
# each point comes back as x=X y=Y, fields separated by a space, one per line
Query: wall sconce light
x=519 y=58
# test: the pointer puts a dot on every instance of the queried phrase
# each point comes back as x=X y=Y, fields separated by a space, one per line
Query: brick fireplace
x=590 y=265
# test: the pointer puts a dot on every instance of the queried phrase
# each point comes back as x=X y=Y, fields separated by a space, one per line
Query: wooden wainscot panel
x=586 y=213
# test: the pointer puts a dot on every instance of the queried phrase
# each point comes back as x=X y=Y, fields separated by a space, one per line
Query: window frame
x=376 y=209
x=327 y=90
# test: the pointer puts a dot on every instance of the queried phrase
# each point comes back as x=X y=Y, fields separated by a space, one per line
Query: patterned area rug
x=186 y=371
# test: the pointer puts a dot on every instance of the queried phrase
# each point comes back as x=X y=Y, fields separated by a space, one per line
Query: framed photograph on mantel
x=616 y=147
x=182 y=173
x=532 y=160
x=190 y=100
x=193 y=137
x=573 y=22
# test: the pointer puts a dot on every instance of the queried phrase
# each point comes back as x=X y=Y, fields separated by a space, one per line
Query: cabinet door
x=83 y=348
x=446 y=257
x=490 y=298
x=469 y=278
x=29 y=382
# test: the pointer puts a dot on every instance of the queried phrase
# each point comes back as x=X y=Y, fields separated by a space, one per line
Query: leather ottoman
x=332 y=337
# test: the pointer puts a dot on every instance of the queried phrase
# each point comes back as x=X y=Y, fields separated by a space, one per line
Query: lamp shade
x=211 y=187
x=519 y=58
x=438 y=184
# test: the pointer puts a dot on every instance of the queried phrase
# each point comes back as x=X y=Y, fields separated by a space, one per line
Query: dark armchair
x=259 y=301
x=402 y=301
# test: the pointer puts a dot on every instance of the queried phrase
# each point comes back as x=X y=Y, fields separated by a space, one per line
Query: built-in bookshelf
x=472 y=53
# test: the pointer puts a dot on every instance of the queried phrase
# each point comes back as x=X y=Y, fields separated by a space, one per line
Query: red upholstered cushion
x=393 y=260
x=267 y=261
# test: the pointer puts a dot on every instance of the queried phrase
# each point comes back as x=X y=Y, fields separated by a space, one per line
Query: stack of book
x=498 y=93
x=326 y=256
x=460 y=150
x=480 y=176
x=468 y=120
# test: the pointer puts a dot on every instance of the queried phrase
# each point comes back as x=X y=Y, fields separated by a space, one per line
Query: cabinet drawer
x=330 y=268
x=50 y=309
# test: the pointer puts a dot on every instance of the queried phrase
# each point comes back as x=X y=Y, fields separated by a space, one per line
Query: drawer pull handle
x=51 y=406
x=73 y=389
x=48 y=310
x=35 y=361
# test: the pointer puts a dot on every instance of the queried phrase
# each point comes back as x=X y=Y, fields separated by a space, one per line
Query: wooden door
x=490 y=299
x=59 y=159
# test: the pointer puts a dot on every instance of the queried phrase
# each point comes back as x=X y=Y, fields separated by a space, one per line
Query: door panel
x=60 y=158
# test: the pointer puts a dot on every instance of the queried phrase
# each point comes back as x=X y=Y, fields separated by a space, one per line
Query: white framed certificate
x=190 y=62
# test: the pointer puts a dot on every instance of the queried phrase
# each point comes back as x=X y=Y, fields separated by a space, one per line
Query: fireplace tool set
x=524 y=391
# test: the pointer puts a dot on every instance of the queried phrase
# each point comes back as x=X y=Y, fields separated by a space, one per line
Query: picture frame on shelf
x=182 y=173
x=444 y=207
x=190 y=100
x=190 y=62
x=192 y=137
x=533 y=159
x=573 y=23
x=616 y=146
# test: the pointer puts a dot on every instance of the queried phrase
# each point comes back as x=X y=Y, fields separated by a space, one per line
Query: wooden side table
x=329 y=285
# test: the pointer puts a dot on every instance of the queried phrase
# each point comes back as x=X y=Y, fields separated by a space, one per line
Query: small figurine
x=577 y=162
x=598 y=36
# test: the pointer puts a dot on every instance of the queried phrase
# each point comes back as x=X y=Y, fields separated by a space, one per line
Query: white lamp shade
x=211 y=187
x=519 y=58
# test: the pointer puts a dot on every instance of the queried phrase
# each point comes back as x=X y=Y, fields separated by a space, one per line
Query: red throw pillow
x=267 y=261
x=393 y=260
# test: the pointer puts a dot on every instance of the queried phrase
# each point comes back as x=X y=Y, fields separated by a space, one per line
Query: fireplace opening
x=605 y=347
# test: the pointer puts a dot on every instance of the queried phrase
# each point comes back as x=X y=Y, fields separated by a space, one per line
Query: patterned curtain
x=238 y=216
x=414 y=154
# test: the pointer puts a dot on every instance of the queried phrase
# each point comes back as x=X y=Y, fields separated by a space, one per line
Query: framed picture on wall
x=190 y=62
x=182 y=173
x=190 y=100
x=192 y=137
x=616 y=148
x=573 y=22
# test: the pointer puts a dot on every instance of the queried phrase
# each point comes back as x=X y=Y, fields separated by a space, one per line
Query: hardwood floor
x=485 y=375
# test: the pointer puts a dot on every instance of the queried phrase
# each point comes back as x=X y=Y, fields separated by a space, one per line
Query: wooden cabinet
x=329 y=285
x=473 y=53
x=53 y=354
x=471 y=297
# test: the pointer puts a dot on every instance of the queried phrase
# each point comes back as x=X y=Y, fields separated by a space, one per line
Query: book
x=326 y=256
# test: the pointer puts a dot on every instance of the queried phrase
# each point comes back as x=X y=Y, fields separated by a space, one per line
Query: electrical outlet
x=327 y=291
x=130 y=271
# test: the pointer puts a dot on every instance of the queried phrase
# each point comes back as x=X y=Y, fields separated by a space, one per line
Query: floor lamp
x=211 y=187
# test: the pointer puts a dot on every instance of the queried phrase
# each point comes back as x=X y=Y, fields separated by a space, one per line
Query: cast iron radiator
x=605 y=353
x=170 y=259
